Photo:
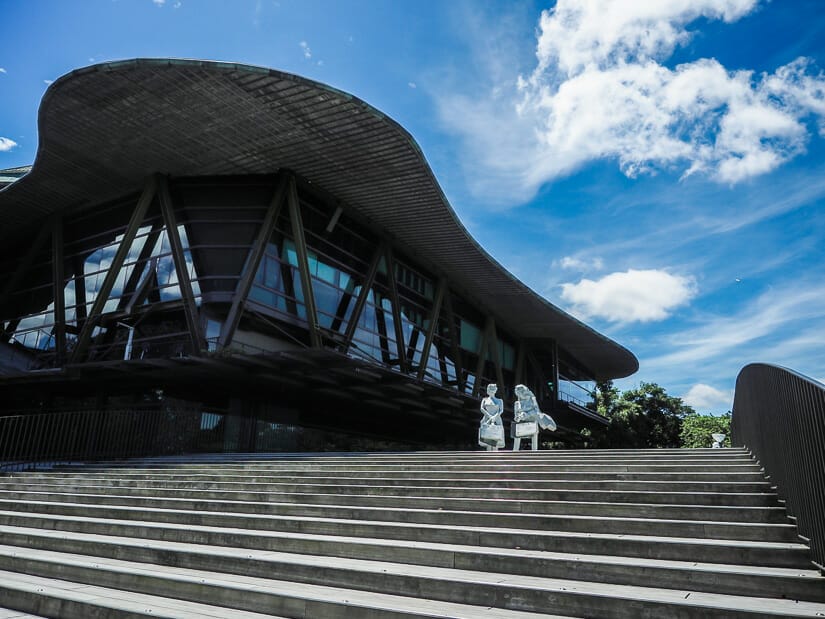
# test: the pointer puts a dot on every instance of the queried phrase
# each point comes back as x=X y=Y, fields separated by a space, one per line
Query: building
x=249 y=245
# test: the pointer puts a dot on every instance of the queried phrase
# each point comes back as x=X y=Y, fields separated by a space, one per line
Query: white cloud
x=600 y=91
x=159 y=2
x=704 y=397
x=574 y=263
x=412 y=85
x=759 y=331
x=6 y=144
x=48 y=82
x=2 y=70
x=307 y=51
x=630 y=296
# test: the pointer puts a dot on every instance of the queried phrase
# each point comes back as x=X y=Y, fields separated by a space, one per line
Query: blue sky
x=657 y=169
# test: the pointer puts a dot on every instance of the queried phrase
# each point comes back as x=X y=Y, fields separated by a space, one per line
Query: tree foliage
x=697 y=429
x=644 y=417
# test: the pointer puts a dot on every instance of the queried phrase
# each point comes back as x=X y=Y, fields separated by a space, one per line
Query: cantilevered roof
x=104 y=128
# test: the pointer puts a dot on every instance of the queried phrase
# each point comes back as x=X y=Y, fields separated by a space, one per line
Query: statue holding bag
x=528 y=419
x=491 y=429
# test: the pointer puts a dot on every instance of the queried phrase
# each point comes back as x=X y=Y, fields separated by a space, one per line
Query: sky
x=656 y=168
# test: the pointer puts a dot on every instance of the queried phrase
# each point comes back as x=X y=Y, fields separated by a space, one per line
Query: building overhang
x=104 y=128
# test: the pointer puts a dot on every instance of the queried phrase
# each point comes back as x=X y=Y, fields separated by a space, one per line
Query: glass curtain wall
x=218 y=222
x=146 y=277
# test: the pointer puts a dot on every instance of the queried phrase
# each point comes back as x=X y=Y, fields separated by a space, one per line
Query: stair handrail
x=779 y=415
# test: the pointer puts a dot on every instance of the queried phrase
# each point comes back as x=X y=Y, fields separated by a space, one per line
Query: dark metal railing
x=780 y=416
x=46 y=439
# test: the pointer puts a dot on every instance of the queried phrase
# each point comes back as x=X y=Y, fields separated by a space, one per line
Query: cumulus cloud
x=630 y=296
x=305 y=47
x=2 y=70
x=6 y=144
x=600 y=90
x=704 y=397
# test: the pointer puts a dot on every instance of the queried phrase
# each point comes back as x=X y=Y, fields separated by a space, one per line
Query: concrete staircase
x=649 y=533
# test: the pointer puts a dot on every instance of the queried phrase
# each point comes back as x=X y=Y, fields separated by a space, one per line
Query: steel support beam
x=59 y=283
x=334 y=219
x=22 y=269
x=303 y=263
x=253 y=262
x=343 y=304
x=396 y=311
x=520 y=363
x=190 y=308
x=361 y=301
x=138 y=215
x=455 y=344
x=495 y=353
x=555 y=375
x=434 y=316
x=482 y=354
x=79 y=291
x=145 y=254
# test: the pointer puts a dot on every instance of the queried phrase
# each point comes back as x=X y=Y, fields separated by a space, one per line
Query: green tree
x=606 y=396
x=640 y=418
x=697 y=429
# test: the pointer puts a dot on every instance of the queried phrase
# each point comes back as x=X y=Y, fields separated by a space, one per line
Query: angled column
x=22 y=269
x=253 y=262
x=495 y=353
x=482 y=354
x=396 y=311
x=59 y=283
x=138 y=215
x=455 y=344
x=303 y=263
x=361 y=300
x=190 y=308
x=434 y=316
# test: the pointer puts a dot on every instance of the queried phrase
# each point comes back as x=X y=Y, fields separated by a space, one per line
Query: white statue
x=528 y=419
x=491 y=429
x=717 y=440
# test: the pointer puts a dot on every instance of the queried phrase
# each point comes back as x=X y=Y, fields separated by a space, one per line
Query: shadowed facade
x=244 y=243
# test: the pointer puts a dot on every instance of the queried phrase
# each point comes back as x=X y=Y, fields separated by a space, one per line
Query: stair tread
x=190 y=500
x=777 y=546
x=379 y=523
x=350 y=597
x=479 y=499
x=116 y=599
x=801 y=574
x=675 y=597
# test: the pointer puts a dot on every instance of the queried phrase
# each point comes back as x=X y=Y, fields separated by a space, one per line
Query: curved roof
x=105 y=127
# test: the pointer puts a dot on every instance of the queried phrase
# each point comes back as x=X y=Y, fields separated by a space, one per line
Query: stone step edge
x=310 y=598
x=368 y=481
x=719 y=543
x=90 y=600
x=778 y=526
x=612 y=594
x=778 y=529
x=808 y=576
x=195 y=492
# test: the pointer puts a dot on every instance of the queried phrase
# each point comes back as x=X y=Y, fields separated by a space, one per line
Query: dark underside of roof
x=104 y=128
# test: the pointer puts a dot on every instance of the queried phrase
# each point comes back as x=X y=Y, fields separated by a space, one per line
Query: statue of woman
x=526 y=410
x=491 y=429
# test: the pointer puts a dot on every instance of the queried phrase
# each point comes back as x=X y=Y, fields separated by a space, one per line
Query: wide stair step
x=647 y=533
